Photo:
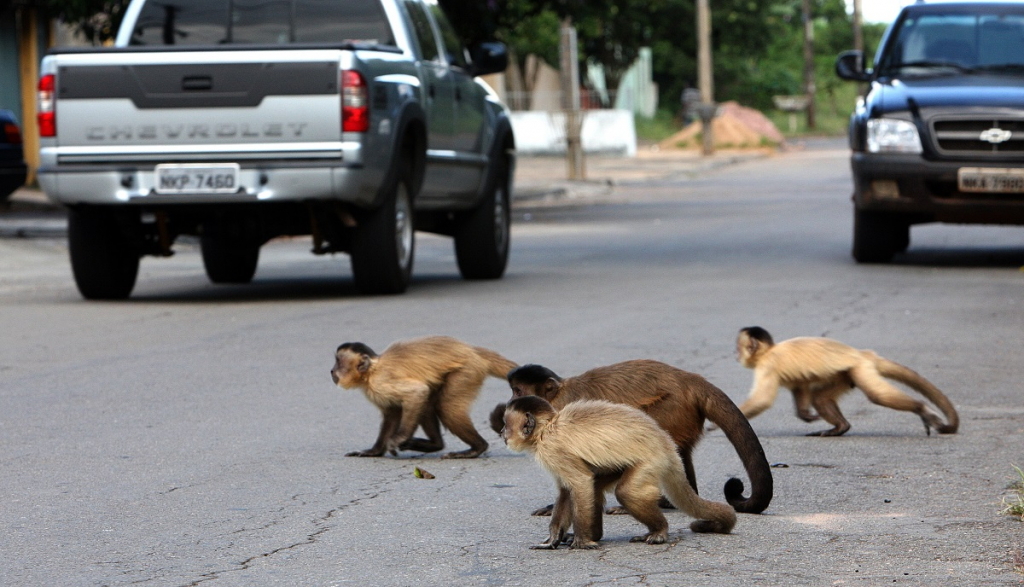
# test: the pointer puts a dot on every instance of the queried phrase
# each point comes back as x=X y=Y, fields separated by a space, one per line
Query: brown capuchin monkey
x=591 y=446
x=820 y=370
x=421 y=382
x=677 y=400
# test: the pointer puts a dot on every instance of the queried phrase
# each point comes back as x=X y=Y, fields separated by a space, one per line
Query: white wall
x=608 y=132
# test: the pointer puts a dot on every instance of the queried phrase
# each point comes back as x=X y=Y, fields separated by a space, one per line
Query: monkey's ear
x=364 y=363
x=550 y=388
x=530 y=424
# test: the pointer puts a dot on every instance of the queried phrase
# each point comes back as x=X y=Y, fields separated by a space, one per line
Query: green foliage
x=96 y=19
x=1014 y=505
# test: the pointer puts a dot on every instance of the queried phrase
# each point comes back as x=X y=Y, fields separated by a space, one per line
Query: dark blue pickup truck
x=939 y=137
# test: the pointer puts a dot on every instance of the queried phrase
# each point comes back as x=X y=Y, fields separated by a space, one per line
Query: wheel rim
x=403 y=226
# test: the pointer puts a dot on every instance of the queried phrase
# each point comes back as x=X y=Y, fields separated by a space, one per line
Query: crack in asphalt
x=310 y=539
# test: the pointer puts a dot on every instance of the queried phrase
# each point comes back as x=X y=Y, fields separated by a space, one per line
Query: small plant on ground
x=1014 y=505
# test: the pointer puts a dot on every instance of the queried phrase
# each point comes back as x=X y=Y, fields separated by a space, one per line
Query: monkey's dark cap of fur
x=758 y=333
x=532 y=374
x=530 y=404
x=357 y=347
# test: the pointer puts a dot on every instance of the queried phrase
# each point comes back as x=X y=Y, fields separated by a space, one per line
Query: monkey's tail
x=913 y=379
x=723 y=413
x=711 y=516
x=497 y=365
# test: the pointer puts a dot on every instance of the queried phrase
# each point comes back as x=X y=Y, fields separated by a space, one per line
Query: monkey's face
x=547 y=390
x=746 y=347
x=518 y=431
x=349 y=369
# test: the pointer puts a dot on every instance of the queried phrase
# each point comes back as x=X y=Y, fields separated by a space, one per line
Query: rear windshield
x=929 y=44
x=219 y=22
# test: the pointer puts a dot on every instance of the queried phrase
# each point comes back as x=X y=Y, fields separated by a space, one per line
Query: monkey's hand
x=546 y=545
x=544 y=511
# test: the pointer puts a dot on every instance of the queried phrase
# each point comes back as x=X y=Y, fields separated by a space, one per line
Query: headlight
x=887 y=135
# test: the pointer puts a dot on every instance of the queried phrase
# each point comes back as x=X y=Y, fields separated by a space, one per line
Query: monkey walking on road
x=820 y=370
x=591 y=446
x=421 y=382
x=679 y=401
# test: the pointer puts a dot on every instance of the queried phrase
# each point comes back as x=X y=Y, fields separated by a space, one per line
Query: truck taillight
x=46 y=113
x=355 y=114
x=12 y=134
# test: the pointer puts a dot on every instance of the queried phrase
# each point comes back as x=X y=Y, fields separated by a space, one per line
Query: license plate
x=990 y=180
x=172 y=178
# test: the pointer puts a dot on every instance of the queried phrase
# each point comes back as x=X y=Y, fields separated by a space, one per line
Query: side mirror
x=488 y=57
x=850 y=66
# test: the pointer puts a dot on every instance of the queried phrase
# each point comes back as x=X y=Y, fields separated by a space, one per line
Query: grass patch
x=1014 y=505
x=662 y=126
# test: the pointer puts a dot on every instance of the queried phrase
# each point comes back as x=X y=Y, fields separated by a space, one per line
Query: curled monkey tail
x=912 y=379
x=497 y=365
x=711 y=516
x=724 y=414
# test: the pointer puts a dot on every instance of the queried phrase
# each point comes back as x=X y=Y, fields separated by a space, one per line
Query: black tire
x=482 y=241
x=878 y=236
x=383 y=245
x=104 y=258
x=229 y=260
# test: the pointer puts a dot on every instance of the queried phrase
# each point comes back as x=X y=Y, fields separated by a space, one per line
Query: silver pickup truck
x=353 y=121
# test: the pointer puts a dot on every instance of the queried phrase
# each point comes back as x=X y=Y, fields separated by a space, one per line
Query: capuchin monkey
x=421 y=382
x=591 y=446
x=679 y=401
x=820 y=370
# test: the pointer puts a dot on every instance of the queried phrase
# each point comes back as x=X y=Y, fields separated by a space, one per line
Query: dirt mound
x=735 y=127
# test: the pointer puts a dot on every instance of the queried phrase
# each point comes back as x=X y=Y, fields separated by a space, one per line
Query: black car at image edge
x=939 y=137
x=12 y=158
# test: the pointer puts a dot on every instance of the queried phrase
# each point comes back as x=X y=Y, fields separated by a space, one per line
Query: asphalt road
x=191 y=435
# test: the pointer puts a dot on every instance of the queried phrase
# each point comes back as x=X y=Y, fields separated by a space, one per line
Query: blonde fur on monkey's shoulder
x=604 y=434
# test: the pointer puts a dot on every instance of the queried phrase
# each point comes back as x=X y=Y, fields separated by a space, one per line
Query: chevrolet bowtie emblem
x=995 y=135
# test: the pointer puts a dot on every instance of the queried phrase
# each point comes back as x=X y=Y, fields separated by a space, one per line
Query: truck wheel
x=383 y=245
x=228 y=260
x=482 y=242
x=104 y=260
x=878 y=236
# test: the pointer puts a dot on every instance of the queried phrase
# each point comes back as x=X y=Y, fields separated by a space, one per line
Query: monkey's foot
x=546 y=545
x=651 y=538
x=616 y=510
x=544 y=511
x=837 y=431
x=464 y=454
x=579 y=544
x=807 y=416
x=364 y=453
x=708 y=526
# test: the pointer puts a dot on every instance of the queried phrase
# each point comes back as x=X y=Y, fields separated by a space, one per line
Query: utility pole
x=571 y=101
x=809 y=87
x=705 y=79
x=858 y=32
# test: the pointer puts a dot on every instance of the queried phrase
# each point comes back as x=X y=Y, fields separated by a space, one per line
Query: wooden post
x=568 y=55
x=28 y=72
x=705 y=79
x=809 y=86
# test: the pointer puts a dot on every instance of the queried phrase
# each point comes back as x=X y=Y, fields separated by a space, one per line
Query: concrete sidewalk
x=539 y=181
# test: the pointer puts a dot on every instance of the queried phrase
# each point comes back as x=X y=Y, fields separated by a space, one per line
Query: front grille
x=966 y=135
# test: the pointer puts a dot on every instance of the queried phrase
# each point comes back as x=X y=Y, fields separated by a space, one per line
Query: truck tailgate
x=195 y=106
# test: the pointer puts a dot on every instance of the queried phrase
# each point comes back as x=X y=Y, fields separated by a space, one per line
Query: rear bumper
x=12 y=177
x=926 y=191
x=259 y=182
